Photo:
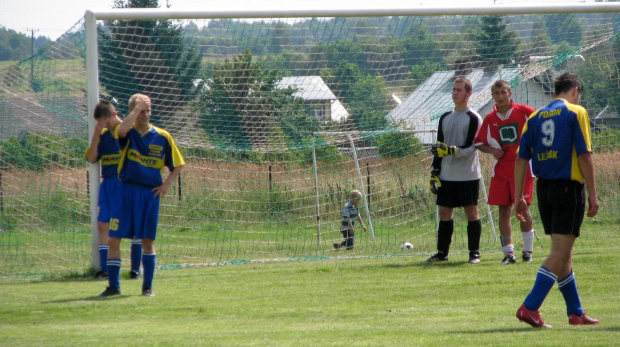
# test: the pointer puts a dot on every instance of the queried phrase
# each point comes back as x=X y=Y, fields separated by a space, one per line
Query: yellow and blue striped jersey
x=553 y=138
x=143 y=156
x=108 y=153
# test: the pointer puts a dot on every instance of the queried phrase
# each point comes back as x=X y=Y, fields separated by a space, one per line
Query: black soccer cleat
x=527 y=257
x=436 y=258
x=101 y=275
x=147 y=292
x=110 y=291
x=509 y=259
x=134 y=275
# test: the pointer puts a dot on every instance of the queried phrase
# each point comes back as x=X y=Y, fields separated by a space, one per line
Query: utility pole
x=32 y=31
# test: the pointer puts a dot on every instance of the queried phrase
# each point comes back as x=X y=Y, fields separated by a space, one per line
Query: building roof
x=422 y=108
x=309 y=88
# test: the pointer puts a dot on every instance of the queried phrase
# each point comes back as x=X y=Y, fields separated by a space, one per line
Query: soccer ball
x=406 y=245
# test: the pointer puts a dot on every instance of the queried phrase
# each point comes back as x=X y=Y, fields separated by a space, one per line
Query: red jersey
x=504 y=132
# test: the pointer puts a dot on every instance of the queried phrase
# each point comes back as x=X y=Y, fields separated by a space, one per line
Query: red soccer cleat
x=574 y=319
x=531 y=317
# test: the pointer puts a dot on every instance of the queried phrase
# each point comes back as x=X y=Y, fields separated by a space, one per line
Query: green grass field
x=397 y=301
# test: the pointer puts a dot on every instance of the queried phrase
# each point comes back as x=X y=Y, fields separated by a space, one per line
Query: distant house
x=422 y=108
x=320 y=100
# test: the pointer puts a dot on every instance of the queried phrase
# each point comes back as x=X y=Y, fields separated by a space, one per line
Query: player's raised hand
x=441 y=150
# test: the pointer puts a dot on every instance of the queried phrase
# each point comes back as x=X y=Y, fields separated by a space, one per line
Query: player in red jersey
x=499 y=136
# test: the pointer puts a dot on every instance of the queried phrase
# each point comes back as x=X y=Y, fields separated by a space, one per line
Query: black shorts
x=458 y=193
x=561 y=204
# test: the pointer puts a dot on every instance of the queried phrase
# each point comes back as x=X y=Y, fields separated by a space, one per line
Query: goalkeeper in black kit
x=455 y=172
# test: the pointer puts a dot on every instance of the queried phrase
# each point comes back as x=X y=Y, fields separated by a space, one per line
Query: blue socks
x=114 y=273
x=148 y=262
x=568 y=287
x=545 y=280
x=136 y=255
x=103 y=257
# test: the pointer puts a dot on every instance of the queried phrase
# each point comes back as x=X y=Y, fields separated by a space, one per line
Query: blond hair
x=355 y=194
x=134 y=98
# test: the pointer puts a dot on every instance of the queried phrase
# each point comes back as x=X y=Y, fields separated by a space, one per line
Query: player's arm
x=520 y=206
x=92 y=153
x=142 y=104
x=496 y=152
x=163 y=189
x=586 y=166
x=359 y=219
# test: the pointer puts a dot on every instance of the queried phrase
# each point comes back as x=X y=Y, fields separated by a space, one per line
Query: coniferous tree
x=148 y=56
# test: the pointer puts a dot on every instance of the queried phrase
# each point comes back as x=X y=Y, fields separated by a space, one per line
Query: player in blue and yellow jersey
x=556 y=139
x=146 y=149
x=104 y=147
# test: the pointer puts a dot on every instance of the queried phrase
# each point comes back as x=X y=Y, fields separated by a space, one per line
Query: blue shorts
x=107 y=192
x=135 y=213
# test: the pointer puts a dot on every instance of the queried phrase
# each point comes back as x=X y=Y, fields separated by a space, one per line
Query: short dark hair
x=468 y=86
x=500 y=84
x=566 y=82
x=104 y=109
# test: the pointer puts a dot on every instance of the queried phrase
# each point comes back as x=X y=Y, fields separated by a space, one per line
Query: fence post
x=316 y=193
x=359 y=176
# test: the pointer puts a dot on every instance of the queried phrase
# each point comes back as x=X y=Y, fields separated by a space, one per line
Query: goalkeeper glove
x=435 y=183
x=441 y=150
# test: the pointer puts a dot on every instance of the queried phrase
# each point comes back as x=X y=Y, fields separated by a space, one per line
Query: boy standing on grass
x=556 y=139
x=499 y=136
x=350 y=213
x=104 y=147
x=146 y=149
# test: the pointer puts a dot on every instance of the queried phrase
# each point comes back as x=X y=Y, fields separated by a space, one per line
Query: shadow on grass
x=89 y=298
x=529 y=328
x=425 y=264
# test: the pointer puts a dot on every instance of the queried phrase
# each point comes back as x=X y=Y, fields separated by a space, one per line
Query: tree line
x=18 y=46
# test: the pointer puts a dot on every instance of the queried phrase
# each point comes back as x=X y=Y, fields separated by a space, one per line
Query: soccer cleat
x=110 y=291
x=574 y=319
x=531 y=317
x=100 y=275
x=436 y=257
x=527 y=257
x=474 y=258
x=509 y=259
x=134 y=275
x=336 y=245
x=147 y=292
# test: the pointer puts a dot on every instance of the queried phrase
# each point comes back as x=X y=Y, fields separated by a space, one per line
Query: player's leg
x=527 y=227
x=107 y=191
x=148 y=262
x=468 y=198
x=445 y=230
x=505 y=230
x=474 y=230
x=350 y=239
x=136 y=258
x=103 y=229
x=120 y=227
x=147 y=212
x=568 y=216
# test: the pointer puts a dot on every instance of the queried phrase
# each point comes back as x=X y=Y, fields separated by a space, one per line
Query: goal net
x=279 y=115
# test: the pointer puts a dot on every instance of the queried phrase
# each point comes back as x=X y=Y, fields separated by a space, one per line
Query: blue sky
x=54 y=17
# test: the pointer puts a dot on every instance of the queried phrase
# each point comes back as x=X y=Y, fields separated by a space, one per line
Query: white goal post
x=92 y=16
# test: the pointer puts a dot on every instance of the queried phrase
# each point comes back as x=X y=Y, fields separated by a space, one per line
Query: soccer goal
x=280 y=114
